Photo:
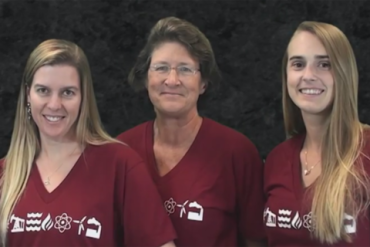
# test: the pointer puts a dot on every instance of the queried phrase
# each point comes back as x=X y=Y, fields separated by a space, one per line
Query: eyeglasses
x=182 y=70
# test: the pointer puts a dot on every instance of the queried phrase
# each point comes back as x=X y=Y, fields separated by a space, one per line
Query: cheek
x=292 y=77
x=291 y=84
x=196 y=86
x=73 y=106
x=78 y=103
x=331 y=88
x=330 y=82
x=36 y=103
x=151 y=91
x=152 y=84
x=292 y=88
x=31 y=97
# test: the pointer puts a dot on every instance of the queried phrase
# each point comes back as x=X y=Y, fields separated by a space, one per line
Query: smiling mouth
x=170 y=93
x=53 y=118
x=311 y=91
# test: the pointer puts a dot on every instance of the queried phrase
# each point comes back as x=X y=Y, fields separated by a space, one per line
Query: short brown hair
x=172 y=29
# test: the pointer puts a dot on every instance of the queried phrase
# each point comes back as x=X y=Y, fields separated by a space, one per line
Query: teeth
x=53 y=119
x=311 y=91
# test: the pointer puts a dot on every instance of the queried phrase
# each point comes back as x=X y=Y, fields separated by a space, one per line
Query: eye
x=297 y=64
x=161 y=68
x=42 y=90
x=68 y=92
x=325 y=65
x=184 y=69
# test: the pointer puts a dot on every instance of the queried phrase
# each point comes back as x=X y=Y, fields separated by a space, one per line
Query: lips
x=170 y=93
x=52 y=118
x=311 y=91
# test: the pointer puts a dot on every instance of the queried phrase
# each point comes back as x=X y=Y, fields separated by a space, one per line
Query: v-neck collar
x=184 y=162
x=67 y=182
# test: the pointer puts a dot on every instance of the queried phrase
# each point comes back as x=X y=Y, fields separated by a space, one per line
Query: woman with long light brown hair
x=65 y=181
x=317 y=181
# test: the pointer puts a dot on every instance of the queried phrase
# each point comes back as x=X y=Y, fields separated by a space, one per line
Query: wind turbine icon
x=81 y=226
x=183 y=210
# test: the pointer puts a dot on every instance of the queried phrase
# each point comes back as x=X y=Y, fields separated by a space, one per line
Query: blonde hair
x=25 y=142
x=336 y=190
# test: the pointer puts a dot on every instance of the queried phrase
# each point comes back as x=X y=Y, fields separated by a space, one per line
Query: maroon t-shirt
x=215 y=191
x=107 y=199
x=287 y=218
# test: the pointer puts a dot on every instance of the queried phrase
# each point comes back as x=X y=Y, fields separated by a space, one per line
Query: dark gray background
x=248 y=37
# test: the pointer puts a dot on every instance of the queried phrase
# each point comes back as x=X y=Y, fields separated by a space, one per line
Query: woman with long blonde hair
x=317 y=181
x=64 y=180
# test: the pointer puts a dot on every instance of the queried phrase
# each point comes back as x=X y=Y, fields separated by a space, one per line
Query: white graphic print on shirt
x=284 y=218
x=47 y=223
x=18 y=224
x=35 y=222
x=193 y=210
x=288 y=219
x=271 y=218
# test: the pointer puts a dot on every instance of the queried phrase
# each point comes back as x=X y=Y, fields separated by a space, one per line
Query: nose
x=54 y=103
x=309 y=73
x=172 y=78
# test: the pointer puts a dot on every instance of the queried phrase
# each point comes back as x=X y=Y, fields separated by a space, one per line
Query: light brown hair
x=337 y=189
x=25 y=141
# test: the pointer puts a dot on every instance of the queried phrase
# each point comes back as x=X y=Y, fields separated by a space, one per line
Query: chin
x=171 y=112
x=54 y=134
x=315 y=111
x=313 y=107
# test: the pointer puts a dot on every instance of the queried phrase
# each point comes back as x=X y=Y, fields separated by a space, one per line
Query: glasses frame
x=170 y=68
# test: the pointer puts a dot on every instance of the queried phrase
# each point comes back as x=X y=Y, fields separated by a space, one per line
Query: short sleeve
x=248 y=168
x=145 y=221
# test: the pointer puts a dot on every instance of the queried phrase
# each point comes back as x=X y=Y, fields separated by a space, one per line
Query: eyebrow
x=317 y=57
x=67 y=87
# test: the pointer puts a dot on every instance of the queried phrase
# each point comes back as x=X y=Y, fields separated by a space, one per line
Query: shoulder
x=226 y=136
x=115 y=154
x=134 y=132
x=285 y=150
x=231 y=144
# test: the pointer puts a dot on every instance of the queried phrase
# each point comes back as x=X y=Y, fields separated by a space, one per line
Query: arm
x=143 y=216
x=248 y=172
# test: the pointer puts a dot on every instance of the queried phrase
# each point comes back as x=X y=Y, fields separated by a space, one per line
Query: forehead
x=305 y=43
x=56 y=75
x=172 y=52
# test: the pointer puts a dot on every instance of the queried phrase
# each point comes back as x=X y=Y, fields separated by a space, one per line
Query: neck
x=315 y=127
x=175 y=131
x=57 y=149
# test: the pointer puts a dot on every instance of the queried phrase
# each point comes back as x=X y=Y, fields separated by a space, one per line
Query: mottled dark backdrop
x=248 y=37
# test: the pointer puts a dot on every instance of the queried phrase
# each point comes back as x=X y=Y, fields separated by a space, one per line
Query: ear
x=203 y=87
